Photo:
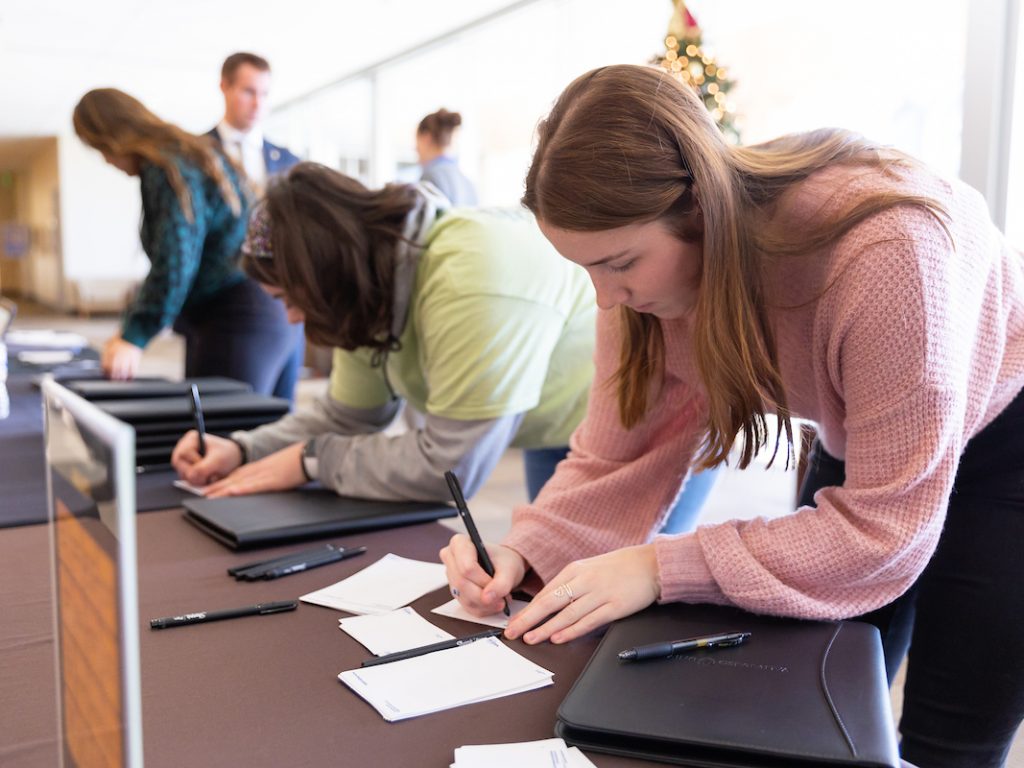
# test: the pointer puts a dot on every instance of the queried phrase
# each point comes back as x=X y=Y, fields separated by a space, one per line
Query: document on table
x=46 y=356
x=387 y=584
x=485 y=669
x=454 y=610
x=43 y=337
x=392 y=632
x=196 y=490
x=549 y=753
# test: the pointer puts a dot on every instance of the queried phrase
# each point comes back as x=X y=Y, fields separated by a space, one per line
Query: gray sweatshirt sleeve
x=355 y=458
x=326 y=416
x=411 y=466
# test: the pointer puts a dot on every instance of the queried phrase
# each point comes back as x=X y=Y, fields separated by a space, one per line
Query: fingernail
x=528 y=638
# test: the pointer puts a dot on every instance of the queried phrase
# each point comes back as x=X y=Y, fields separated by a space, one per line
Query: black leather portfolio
x=145 y=410
x=102 y=389
x=795 y=694
x=267 y=519
x=161 y=411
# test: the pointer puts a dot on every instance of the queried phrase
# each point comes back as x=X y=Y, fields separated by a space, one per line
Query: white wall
x=892 y=71
x=100 y=214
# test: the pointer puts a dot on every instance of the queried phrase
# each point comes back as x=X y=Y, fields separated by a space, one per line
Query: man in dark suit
x=245 y=83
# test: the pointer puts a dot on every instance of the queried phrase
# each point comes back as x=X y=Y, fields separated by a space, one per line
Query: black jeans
x=963 y=619
x=244 y=334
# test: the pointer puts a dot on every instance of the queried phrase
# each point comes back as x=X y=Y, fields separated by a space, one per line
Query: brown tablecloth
x=256 y=691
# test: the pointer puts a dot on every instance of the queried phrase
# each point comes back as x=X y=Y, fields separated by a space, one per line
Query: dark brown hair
x=631 y=144
x=334 y=243
x=117 y=124
x=236 y=60
x=440 y=126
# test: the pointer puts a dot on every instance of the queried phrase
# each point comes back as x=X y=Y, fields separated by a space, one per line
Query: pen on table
x=280 y=566
x=672 y=647
x=315 y=561
x=276 y=561
x=199 y=617
x=197 y=414
x=481 y=552
x=422 y=650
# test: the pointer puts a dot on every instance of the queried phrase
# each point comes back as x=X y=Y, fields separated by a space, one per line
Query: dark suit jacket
x=278 y=159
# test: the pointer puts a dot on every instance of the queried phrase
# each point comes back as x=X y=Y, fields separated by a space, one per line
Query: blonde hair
x=117 y=124
x=630 y=144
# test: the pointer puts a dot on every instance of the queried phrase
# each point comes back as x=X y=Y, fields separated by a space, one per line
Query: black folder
x=266 y=519
x=102 y=389
x=139 y=411
x=795 y=694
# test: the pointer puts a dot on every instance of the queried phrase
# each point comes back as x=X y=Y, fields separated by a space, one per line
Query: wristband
x=241 y=447
x=308 y=460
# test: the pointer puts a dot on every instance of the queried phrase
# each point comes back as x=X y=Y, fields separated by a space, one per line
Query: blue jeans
x=540 y=465
x=683 y=517
x=963 y=619
x=244 y=334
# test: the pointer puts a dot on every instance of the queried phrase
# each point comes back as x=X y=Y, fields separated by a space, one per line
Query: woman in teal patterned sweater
x=194 y=207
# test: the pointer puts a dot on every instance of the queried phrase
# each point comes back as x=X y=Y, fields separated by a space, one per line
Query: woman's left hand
x=120 y=359
x=280 y=471
x=589 y=593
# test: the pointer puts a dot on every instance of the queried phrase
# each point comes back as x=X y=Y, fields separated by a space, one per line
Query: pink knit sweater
x=915 y=347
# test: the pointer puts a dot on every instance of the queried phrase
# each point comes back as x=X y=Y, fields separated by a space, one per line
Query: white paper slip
x=46 y=356
x=188 y=487
x=453 y=609
x=40 y=337
x=578 y=760
x=392 y=632
x=387 y=584
x=548 y=753
x=479 y=671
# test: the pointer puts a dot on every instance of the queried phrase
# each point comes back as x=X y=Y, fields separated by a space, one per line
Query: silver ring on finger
x=565 y=590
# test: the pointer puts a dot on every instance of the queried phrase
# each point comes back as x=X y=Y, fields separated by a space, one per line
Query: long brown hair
x=333 y=246
x=630 y=144
x=117 y=124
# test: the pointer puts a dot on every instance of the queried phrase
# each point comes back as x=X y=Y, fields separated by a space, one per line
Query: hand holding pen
x=466 y=557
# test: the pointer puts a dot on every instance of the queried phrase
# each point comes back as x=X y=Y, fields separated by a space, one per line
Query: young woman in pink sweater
x=819 y=276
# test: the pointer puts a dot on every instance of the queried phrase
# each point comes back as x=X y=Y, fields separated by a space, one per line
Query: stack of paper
x=549 y=753
x=399 y=630
x=389 y=583
x=479 y=671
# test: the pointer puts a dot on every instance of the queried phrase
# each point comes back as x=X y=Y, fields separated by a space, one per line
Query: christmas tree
x=686 y=60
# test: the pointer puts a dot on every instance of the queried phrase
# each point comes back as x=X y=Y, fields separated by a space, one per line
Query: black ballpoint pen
x=276 y=562
x=197 y=414
x=231 y=613
x=444 y=645
x=672 y=647
x=481 y=552
x=332 y=556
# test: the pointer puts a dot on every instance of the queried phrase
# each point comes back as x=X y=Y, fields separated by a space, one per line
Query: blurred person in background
x=433 y=144
x=194 y=211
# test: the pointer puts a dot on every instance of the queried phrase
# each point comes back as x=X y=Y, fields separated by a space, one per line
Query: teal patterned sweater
x=190 y=262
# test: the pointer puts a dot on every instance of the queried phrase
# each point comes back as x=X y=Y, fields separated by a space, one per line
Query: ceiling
x=168 y=54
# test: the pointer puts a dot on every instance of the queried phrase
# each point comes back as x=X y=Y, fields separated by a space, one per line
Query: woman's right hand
x=222 y=457
x=477 y=592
